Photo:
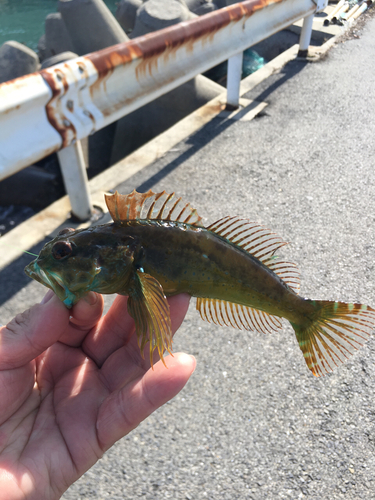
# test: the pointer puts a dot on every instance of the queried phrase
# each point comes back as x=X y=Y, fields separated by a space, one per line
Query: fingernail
x=48 y=296
x=195 y=362
x=91 y=298
x=188 y=359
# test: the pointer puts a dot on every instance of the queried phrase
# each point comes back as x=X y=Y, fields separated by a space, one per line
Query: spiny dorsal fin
x=259 y=242
x=161 y=206
x=226 y=313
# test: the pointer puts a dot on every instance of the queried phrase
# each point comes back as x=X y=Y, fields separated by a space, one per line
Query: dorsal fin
x=161 y=206
x=259 y=242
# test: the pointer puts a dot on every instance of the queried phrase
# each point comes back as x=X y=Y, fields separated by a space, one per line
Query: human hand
x=72 y=384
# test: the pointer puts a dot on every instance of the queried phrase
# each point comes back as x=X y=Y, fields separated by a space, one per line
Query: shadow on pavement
x=13 y=276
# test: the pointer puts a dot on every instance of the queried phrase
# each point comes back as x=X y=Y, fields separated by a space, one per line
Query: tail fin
x=337 y=331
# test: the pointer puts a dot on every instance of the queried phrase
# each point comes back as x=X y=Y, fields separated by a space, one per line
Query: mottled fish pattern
x=157 y=247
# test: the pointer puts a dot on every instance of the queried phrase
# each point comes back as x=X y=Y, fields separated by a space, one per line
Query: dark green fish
x=156 y=247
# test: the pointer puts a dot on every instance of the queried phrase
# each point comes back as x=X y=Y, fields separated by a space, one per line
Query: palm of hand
x=60 y=411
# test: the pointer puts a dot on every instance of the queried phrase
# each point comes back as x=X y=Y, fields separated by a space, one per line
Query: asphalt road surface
x=253 y=423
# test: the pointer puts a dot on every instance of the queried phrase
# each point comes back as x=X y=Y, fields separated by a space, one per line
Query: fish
x=157 y=247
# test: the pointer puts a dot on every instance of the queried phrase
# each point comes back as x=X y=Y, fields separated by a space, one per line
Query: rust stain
x=69 y=70
x=21 y=83
x=61 y=76
x=148 y=48
x=146 y=51
x=51 y=83
x=10 y=110
x=54 y=111
x=90 y=115
x=210 y=109
x=82 y=69
x=16 y=83
x=106 y=60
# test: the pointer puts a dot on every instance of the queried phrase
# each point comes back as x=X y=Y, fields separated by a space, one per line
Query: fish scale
x=157 y=247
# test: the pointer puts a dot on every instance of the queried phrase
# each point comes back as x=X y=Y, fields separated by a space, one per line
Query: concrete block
x=91 y=25
x=145 y=123
x=201 y=7
x=42 y=49
x=142 y=125
x=100 y=149
x=154 y=15
x=205 y=8
x=276 y=44
x=203 y=89
x=126 y=13
x=32 y=186
x=224 y=3
x=16 y=60
x=57 y=36
x=58 y=58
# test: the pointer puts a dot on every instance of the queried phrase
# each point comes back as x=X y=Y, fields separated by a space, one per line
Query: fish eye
x=66 y=230
x=61 y=249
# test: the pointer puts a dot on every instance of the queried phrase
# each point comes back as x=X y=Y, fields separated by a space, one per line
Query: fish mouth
x=48 y=279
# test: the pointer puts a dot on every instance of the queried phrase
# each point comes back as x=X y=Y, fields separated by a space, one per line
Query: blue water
x=23 y=20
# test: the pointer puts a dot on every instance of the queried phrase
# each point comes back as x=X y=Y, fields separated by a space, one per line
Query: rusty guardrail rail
x=51 y=110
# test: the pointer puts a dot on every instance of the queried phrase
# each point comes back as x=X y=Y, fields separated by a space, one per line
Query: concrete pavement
x=253 y=423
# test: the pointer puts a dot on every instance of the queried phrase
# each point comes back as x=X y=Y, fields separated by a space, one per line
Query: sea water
x=23 y=20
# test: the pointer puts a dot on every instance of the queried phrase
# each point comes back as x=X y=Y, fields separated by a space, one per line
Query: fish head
x=76 y=262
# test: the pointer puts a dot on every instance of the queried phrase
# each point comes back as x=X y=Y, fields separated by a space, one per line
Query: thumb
x=125 y=409
x=32 y=332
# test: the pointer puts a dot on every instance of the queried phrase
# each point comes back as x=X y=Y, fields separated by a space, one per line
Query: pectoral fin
x=149 y=308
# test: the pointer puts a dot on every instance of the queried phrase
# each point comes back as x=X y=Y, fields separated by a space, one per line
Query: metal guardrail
x=53 y=109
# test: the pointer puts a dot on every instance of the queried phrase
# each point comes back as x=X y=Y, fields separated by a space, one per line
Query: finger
x=32 y=332
x=15 y=387
x=113 y=332
x=128 y=362
x=63 y=357
x=117 y=328
x=123 y=410
x=83 y=317
x=178 y=306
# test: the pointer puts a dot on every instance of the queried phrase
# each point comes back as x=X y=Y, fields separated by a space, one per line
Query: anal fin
x=149 y=308
x=226 y=313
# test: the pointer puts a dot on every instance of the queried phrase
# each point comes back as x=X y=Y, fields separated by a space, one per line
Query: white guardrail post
x=305 y=37
x=234 y=74
x=307 y=26
x=54 y=108
x=74 y=174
